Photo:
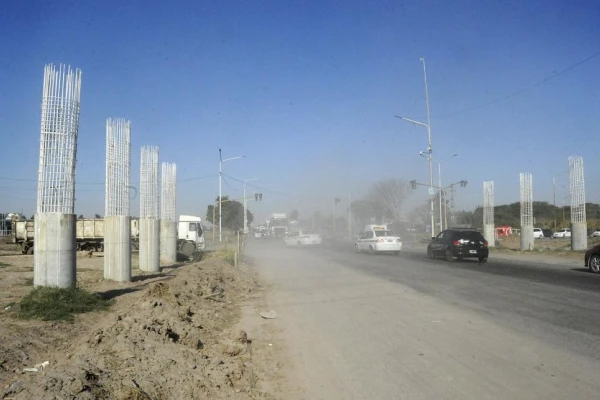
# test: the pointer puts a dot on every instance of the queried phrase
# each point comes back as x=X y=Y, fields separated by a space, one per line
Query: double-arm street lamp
x=221 y=161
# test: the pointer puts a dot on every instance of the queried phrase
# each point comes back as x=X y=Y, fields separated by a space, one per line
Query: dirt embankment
x=173 y=335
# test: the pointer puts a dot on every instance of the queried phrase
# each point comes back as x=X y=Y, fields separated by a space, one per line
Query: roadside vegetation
x=55 y=304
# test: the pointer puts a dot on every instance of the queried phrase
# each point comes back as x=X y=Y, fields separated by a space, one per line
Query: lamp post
x=246 y=206
x=221 y=161
x=429 y=148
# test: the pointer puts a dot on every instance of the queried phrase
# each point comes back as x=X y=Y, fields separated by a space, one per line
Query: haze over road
x=405 y=327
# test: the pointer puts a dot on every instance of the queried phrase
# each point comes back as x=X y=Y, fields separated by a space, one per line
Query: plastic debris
x=37 y=367
x=269 y=314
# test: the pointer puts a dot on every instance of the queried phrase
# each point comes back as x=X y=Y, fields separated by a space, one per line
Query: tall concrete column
x=168 y=241
x=578 y=235
x=489 y=233
x=578 y=214
x=149 y=245
x=55 y=250
x=117 y=248
x=527 y=240
x=55 y=260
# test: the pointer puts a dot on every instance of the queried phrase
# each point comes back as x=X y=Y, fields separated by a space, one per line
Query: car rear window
x=468 y=235
x=384 y=233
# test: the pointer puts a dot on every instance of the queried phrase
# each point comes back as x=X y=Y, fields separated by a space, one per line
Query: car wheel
x=594 y=263
x=397 y=253
x=459 y=258
x=482 y=259
x=449 y=255
x=371 y=250
x=429 y=253
x=357 y=248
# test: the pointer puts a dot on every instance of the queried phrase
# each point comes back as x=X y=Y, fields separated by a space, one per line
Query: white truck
x=190 y=235
x=89 y=234
x=278 y=225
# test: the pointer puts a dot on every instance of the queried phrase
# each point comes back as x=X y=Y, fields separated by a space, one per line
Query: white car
x=379 y=239
x=562 y=233
x=538 y=233
x=596 y=234
x=303 y=238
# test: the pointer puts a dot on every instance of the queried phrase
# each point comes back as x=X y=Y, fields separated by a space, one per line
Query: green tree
x=233 y=214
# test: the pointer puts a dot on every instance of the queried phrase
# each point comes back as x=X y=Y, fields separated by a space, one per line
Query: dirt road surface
x=405 y=327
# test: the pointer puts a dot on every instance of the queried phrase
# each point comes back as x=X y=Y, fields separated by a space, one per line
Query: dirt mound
x=172 y=340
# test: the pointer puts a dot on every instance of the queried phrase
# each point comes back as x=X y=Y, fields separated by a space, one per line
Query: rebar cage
x=58 y=140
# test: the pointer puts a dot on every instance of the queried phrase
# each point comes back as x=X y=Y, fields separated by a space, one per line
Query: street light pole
x=439 y=163
x=221 y=161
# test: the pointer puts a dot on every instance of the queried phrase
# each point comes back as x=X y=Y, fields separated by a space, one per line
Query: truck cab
x=190 y=231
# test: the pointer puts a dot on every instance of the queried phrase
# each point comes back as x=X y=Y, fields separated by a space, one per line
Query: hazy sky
x=308 y=90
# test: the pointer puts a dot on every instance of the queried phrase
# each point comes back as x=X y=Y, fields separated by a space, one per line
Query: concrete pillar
x=578 y=235
x=149 y=245
x=489 y=233
x=527 y=240
x=168 y=241
x=55 y=259
x=117 y=248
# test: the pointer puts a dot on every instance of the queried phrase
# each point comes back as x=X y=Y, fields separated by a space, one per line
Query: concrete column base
x=527 y=241
x=489 y=233
x=149 y=245
x=117 y=248
x=168 y=242
x=578 y=235
x=55 y=258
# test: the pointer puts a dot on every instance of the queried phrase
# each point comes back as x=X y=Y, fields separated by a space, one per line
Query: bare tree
x=388 y=196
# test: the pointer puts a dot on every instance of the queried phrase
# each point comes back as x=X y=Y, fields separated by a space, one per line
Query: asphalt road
x=393 y=327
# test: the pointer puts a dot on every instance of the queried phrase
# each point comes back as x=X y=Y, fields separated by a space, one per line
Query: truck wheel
x=187 y=249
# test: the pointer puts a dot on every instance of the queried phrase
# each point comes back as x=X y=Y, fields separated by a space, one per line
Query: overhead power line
x=521 y=91
x=263 y=188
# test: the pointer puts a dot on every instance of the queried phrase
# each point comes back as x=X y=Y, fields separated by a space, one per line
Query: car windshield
x=384 y=233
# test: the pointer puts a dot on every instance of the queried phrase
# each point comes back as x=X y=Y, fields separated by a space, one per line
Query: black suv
x=459 y=243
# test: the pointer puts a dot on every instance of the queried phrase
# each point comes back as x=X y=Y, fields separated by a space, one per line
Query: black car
x=592 y=259
x=547 y=233
x=459 y=243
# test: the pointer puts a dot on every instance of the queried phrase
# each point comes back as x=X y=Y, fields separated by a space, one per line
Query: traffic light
x=463 y=183
x=258 y=196
x=255 y=196
x=337 y=200
x=413 y=184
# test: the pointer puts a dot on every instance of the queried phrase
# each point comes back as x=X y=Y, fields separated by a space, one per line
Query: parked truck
x=89 y=234
x=190 y=236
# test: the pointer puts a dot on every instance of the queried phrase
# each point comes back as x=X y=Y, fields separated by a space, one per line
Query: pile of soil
x=173 y=337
